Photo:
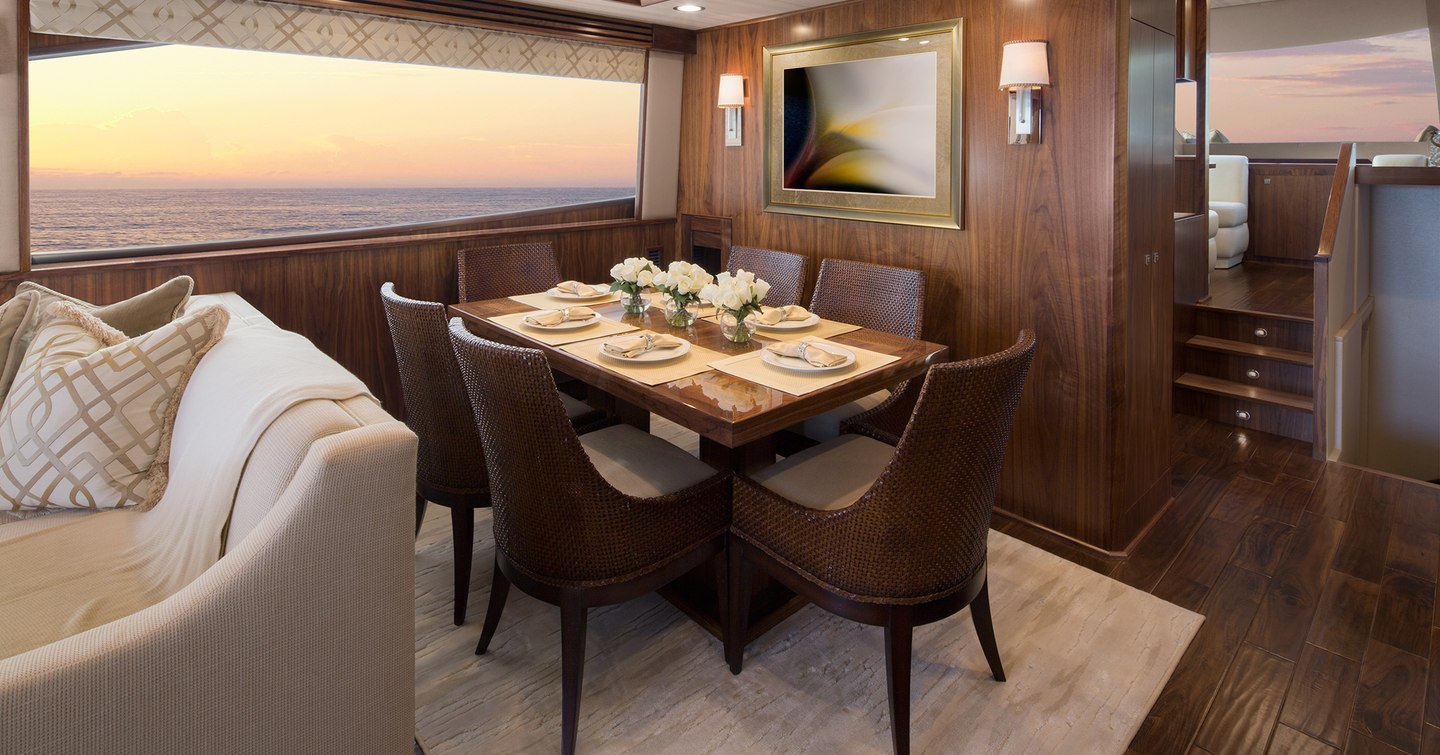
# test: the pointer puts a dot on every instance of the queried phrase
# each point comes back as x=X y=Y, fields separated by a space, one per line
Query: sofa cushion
x=89 y=420
x=135 y=316
x=1230 y=214
x=1214 y=223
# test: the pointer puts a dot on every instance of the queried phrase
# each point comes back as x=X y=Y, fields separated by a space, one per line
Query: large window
x=1380 y=89
x=176 y=144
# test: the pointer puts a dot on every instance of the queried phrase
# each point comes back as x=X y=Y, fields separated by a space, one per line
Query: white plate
x=568 y=325
x=654 y=355
x=797 y=364
x=813 y=319
x=556 y=293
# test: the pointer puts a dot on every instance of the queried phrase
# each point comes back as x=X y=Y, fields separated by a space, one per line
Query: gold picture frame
x=867 y=126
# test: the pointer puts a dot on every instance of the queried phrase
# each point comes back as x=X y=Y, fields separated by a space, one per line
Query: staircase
x=1250 y=369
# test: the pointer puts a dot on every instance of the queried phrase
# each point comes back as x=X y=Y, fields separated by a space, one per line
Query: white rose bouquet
x=737 y=296
x=632 y=275
x=682 y=282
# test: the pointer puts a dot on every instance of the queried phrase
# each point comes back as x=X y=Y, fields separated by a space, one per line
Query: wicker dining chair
x=450 y=468
x=507 y=270
x=581 y=522
x=888 y=536
x=881 y=297
x=784 y=271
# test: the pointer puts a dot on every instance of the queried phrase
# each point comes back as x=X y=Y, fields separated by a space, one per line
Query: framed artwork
x=867 y=126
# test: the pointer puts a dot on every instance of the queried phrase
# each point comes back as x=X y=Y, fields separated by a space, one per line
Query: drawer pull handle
x=1242 y=415
x=1252 y=374
x=1261 y=332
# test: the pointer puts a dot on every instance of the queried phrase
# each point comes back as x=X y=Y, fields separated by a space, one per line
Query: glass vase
x=736 y=329
x=634 y=302
x=679 y=315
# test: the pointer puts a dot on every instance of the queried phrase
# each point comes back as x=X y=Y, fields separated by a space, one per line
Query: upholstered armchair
x=1230 y=200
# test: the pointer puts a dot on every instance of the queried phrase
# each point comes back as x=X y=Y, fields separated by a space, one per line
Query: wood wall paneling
x=1143 y=341
x=331 y=293
x=1039 y=245
x=1287 y=210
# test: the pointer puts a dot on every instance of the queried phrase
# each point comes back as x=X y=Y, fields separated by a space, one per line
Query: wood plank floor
x=1263 y=287
x=1318 y=584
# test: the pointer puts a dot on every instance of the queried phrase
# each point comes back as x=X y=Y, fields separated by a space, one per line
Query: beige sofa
x=299 y=639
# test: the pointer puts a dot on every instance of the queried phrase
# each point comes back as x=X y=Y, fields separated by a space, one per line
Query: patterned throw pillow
x=88 y=420
x=139 y=314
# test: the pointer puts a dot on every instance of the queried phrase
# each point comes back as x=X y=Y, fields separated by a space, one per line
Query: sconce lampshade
x=1024 y=64
x=732 y=90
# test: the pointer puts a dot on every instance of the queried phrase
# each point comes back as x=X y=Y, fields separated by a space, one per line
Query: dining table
x=719 y=389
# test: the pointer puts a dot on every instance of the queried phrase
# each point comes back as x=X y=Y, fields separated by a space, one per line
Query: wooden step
x=1228 y=389
x=1260 y=330
x=1240 y=348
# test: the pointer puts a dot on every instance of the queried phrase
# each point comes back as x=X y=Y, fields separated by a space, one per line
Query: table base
x=695 y=595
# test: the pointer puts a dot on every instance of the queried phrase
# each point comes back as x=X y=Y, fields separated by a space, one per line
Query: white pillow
x=88 y=420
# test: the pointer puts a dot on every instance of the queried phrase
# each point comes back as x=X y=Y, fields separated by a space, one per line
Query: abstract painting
x=866 y=127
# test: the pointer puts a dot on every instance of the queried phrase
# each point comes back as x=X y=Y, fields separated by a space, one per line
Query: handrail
x=1344 y=168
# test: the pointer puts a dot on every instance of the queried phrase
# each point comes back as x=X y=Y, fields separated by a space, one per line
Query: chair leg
x=899 y=632
x=572 y=667
x=462 y=522
x=737 y=618
x=420 y=504
x=980 y=612
x=499 y=590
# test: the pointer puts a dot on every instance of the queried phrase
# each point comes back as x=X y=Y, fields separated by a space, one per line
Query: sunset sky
x=1380 y=89
x=172 y=116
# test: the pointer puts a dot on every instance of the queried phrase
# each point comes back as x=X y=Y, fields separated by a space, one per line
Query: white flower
x=637 y=270
x=645 y=277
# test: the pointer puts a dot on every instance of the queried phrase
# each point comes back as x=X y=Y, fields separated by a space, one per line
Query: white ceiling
x=716 y=13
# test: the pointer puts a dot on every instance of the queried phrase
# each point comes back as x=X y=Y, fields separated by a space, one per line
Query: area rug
x=1085 y=655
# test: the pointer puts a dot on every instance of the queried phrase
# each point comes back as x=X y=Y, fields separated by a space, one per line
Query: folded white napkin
x=549 y=318
x=579 y=289
x=777 y=315
x=633 y=346
x=810 y=351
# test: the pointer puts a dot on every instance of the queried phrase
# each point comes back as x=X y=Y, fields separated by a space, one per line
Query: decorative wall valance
x=278 y=27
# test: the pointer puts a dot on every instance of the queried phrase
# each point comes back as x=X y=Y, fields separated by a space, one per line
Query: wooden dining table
x=737 y=419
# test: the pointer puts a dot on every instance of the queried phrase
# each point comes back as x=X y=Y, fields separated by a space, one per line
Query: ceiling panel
x=716 y=13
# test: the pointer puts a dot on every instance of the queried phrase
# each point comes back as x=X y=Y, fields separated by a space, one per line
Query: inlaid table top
x=723 y=408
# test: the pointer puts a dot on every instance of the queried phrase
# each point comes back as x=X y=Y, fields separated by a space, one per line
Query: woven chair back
x=492 y=272
x=881 y=297
x=436 y=406
x=784 y=271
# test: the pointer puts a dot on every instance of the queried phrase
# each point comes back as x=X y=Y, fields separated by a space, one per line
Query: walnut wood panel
x=1143 y=346
x=1287 y=209
x=1038 y=249
x=728 y=410
x=1278 y=420
x=1273 y=375
x=1345 y=170
x=1188 y=176
x=1294 y=335
x=1371 y=175
x=331 y=294
x=1192 y=282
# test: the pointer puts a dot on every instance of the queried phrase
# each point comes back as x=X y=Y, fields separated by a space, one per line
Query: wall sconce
x=732 y=101
x=1024 y=68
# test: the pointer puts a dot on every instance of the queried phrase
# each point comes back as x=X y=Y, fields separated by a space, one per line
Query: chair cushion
x=1230 y=179
x=826 y=426
x=1214 y=223
x=1230 y=214
x=575 y=408
x=829 y=476
x=1399 y=161
x=641 y=465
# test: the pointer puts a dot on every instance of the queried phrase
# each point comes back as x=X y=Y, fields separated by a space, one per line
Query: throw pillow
x=88 y=421
x=135 y=316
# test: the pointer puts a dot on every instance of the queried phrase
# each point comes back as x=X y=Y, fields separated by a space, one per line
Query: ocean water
x=65 y=219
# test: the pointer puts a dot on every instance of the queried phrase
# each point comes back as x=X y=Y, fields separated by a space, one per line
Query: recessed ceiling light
x=689 y=8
